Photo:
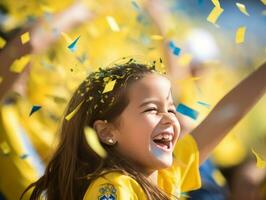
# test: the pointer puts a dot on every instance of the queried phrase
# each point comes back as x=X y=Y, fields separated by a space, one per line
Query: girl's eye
x=172 y=111
x=150 y=109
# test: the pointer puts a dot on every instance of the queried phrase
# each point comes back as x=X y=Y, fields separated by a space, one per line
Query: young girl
x=136 y=123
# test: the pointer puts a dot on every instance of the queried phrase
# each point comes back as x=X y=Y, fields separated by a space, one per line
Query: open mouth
x=164 y=141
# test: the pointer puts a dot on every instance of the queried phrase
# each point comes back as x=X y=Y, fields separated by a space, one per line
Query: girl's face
x=149 y=128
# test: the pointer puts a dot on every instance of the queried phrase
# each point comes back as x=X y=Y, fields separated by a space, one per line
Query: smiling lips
x=164 y=140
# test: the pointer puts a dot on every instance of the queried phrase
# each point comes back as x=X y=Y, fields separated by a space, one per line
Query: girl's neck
x=153 y=176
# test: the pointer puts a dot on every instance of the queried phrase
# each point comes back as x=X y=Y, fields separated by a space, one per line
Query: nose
x=168 y=118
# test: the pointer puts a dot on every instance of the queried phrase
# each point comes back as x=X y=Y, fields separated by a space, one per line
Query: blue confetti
x=174 y=48
x=72 y=47
x=185 y=110
x=204 y=104
x=24 y=156
x=135 y=6
x=34 y=109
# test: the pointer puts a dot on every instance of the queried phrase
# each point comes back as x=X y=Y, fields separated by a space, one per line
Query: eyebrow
x=155 y=102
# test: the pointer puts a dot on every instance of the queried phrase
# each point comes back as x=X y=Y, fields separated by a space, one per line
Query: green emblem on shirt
x=107 y=192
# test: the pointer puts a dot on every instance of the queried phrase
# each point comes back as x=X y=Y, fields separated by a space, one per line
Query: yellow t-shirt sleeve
x=115 y=186
x=187 y=163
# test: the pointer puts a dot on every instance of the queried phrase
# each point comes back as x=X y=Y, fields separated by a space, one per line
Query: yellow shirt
x=183 y=176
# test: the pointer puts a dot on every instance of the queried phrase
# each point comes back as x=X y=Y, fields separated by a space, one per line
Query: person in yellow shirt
x=129 y=108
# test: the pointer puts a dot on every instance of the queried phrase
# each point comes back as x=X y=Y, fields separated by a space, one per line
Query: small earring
x=111 y=141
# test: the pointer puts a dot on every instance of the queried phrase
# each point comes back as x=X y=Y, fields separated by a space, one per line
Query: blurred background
x=48 y=47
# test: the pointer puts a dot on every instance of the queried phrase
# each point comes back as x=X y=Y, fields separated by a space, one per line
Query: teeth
x=166 y=137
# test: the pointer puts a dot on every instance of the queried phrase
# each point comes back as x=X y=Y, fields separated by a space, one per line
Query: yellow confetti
x=216 y=3
x=5 y=148
x=218 y=177
x=185 y=60
x=70 y=115
x=240 y=35
x=1 y=79
x=109 y=86
x=112 y=23
x=66 y=37
x=25 y=37
x=19 y=64
x=260 y=162
x=214 y=15
x=242 y=8
x=93 y=141
x=156 y=37
x=2 y=42
x=48 y=9
x=263 y=1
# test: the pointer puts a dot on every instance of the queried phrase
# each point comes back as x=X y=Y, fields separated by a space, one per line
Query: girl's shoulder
x=115 y=186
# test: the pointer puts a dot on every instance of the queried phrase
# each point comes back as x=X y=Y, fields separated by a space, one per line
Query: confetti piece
x=156 y=37
x=93 y=142
x=19 y=64
x=135 y=6
x=185 y=110
x=73 y=46
x=216 y=3
x=260 y=162
x=204 y=104
x=263 y=1
x=24 y=156
x=185 y=60
x=70 y=115
x=25 y=37
x=218 y=177
x=112 y=23
x=1 y=79
x=46 y=8
x=66 y=37
x=242 y=8
x=175 y=49
x=109 y=86
x=2 y=42
x=5 y=148
x=34 y=109
x=240 y=35
x=214 y=15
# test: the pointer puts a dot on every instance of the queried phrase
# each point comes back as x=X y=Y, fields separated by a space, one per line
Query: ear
x=104 y=132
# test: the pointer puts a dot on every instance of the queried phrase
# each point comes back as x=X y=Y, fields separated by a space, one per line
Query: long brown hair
x=74 y=164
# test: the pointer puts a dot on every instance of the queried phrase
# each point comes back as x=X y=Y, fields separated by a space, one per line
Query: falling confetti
x=263 y=1
x=25 y=37
x=66 y=37
x=5 y=148
x=175 y=49
x=185 y=110
x=2 y=42
x=1 y=79
x=34 y=109
x=109 y=86
x=93 y=142
x=73 y=46
x=240 y=35
x=156 y=37
x=24 y=156
x=260 y=162
x=242 y=8
x=215 y=14
x=203 y=104
x=112 y=23
x=216 y=3
x=19 y=64
x=70 y=115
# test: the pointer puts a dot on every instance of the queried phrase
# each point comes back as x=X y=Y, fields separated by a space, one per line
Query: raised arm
x=229 y=110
